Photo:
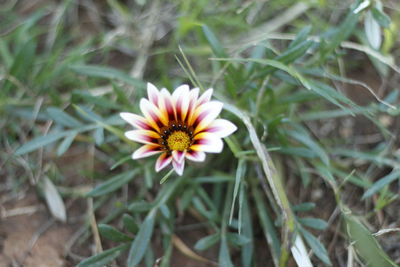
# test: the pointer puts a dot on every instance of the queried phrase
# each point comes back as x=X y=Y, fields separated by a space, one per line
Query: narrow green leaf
x=381 y=17
x=113 y=183
x=267 y=225
x=313 y=223
x=141 y=242
x=240 y=172
x=66 y=143
x=316 y=246
x=224 y=258
x=213 y=41
x=40 y=142
x=305 y=139
x=384 y=181
x=237 y=239
x=207 y=242
x=301 y=36
x=98 y=135
x=106 y=72
x=103 y=258
x=112 y=234
x=366 y=245
x=306 y=206
x=63 y=118
x=247 y=231
x=130 y=224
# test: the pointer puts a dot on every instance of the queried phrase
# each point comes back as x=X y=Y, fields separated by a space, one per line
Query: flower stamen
x=178 y=140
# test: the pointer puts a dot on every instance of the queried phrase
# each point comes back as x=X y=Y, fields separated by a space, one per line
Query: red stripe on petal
x=178 y=156
x=197 y=156
x=135 y=120
x=143 y=136
x=207 y=142
x=152 y=93
x=163 y=161
x=178 y=167
x=146 y=151
x=221 y=127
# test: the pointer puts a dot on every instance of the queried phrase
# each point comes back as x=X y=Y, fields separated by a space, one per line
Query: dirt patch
x=31 y=239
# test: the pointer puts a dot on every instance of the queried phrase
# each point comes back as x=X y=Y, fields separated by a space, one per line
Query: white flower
x=180 y=126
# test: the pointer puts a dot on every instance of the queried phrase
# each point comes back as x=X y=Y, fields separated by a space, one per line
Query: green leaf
x=301 y=36
x=306 y=206
x=313 y=223
x=237 y=239
x=113 y=183
x=304 y=138
x=213 y=41
x=240 y=172
x=112 y=234
x=66 y=143
x=130 y=224
x=267 y=225
x=106 y=72
x=224 y=258
x=207 y=241
x=366 y=245
x=316 y=246
x=247 y=231
x=372 y=31
x=381 y=17
x=384 y=181
x=142 y=240
x=103 y=258
x=63 y=118
x=40 y=142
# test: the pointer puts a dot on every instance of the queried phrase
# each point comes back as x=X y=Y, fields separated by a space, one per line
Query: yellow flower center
x=178 y=140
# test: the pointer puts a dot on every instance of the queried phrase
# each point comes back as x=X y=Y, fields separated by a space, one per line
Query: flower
x=180 y=126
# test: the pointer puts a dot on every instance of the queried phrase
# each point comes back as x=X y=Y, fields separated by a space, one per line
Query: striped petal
x=205 y=115
x=152 y=114
x=143 y=136
x=152 y=94
x=197 y=156
x=207 y=142
x=205 y=97
x=181 y=100
x=146 y=151
x=167 y=106
x=193 y=95
x=178 y=156
x=163 y=161
x=221 y=128
x=178 y=167
x=135 y=120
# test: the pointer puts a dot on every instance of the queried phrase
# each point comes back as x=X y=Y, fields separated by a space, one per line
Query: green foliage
x=289 y=92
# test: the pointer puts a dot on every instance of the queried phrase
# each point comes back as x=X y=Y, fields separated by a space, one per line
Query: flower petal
x=197 y=156
x=181 y=100
x=135 y=120
x=152 y=94
x=143 y=136
x=207 y=142
x=178 y=167
x=193 y=95
x=152 y=114
x=163 y=161
x=146 y=151
x=178 y=156
x=221 y=128
x=205 y=97
x=205 y=115
x=167 y=106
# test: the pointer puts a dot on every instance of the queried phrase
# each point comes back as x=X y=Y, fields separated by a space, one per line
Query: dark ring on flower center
x=174 y=130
